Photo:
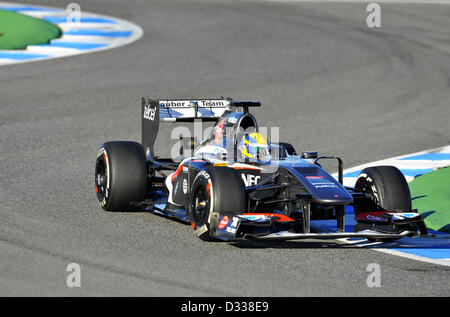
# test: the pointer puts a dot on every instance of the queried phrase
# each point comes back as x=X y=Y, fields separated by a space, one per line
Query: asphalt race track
x=327 y=80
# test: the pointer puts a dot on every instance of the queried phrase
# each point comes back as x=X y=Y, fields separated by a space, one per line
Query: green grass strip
x=17 y=31
x=431 y=196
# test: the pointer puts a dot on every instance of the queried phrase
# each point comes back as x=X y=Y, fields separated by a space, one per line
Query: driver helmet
x=254 y=146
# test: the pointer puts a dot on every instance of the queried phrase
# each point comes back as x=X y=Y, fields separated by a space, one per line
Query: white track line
x=401 y=164
x=445 y=262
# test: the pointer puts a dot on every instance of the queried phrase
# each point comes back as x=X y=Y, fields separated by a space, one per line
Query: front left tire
x=214 y=190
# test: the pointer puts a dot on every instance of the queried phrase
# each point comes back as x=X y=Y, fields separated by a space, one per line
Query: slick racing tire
x=214 y=190
x=387 y=190
x=120 y=175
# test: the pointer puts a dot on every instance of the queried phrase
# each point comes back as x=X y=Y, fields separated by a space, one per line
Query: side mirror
x=309 y=155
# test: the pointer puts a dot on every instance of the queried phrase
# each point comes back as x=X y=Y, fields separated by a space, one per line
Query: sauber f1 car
x=234 y=185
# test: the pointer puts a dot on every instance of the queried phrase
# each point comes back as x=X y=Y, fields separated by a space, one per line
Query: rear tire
x=215 y=190
x=120 y=175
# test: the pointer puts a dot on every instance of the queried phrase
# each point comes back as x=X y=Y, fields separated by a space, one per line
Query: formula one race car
x=233 y=184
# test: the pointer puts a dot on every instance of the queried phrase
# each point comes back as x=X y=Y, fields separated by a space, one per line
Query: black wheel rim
x=372 y=203
x=101 y=178
x=200 y=206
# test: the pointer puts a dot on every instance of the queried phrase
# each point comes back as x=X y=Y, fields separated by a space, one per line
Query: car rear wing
x=190 y=110
x=183 y=110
